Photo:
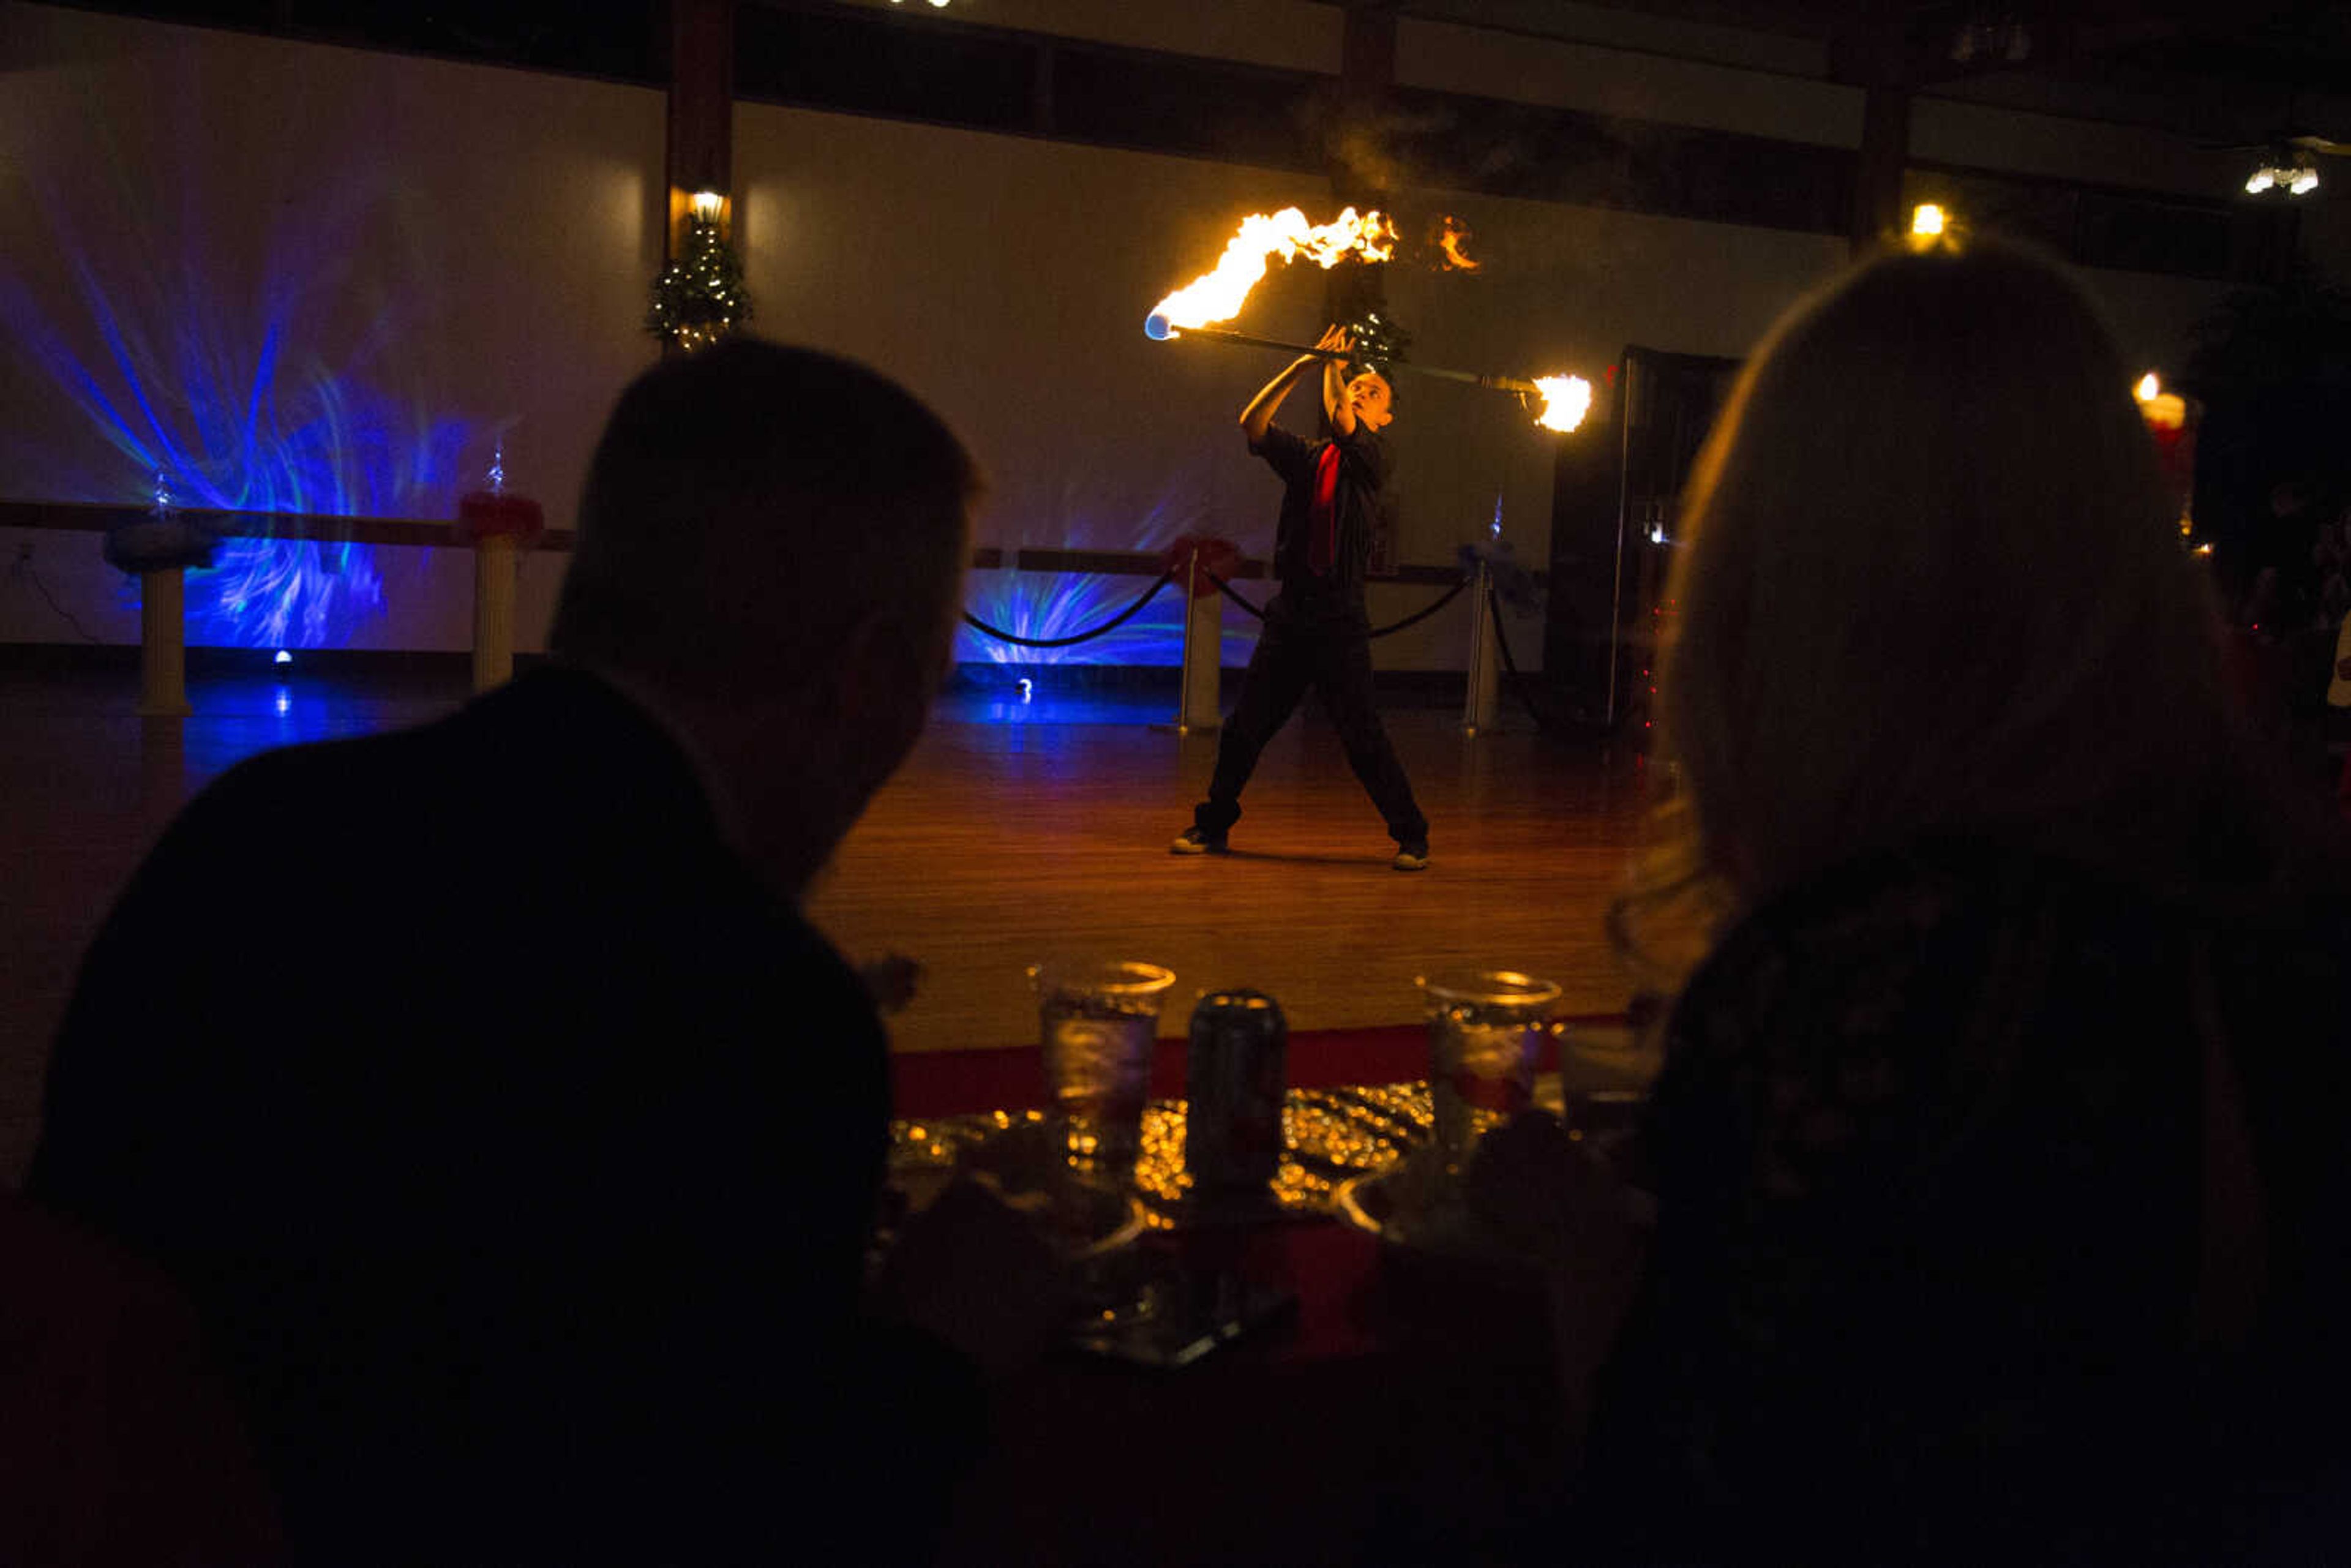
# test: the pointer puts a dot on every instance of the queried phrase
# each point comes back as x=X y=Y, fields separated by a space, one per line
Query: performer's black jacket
x=516 y=1146
x=1364 y=466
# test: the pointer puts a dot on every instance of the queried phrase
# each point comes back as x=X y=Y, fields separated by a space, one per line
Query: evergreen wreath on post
x=699 y=299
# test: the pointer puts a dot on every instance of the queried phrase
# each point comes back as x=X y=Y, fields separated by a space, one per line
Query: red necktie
x=1322 y=517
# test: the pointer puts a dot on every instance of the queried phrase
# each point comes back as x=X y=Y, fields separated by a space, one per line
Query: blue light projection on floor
x=231 y=400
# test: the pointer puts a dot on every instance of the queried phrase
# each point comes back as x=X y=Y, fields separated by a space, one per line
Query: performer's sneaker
x=1197 y=841
x=1412 y=857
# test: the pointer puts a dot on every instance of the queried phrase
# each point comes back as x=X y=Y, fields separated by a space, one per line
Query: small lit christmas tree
x=698 y=297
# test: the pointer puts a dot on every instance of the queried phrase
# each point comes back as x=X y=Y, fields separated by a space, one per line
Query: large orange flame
x=1265 y=237
x=1566 y=399
x=1450 y=241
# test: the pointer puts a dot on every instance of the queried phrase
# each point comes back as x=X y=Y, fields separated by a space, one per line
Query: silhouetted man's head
x=771 y=544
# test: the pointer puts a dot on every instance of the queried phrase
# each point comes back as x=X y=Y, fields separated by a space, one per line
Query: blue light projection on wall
x=1048 y=604
x=231 y=401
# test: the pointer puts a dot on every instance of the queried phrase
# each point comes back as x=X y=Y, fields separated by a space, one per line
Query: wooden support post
x=700 y=154
x=164 y=644
x=1877 y=215
x=495 y=570
x=1366 y=73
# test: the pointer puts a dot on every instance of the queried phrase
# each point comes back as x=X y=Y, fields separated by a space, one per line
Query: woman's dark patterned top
x=1929 y=1151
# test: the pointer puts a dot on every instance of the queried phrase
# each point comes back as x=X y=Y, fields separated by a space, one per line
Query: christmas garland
x=699 y=299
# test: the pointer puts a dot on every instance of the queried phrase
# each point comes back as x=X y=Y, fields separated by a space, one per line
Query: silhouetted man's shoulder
x=512 y=1139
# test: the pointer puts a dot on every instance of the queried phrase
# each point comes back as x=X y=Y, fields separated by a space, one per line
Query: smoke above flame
x=1264 y=238
x=1566 y=399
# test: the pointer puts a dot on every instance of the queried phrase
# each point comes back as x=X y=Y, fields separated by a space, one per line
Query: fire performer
x=1317 y=632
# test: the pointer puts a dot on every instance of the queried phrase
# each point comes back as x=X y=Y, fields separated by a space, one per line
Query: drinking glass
x=1604 y=1079
x=1096 y=1022
x=1485 y=1028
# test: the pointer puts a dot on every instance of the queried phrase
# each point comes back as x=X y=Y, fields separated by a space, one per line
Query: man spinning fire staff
x=1317 y=632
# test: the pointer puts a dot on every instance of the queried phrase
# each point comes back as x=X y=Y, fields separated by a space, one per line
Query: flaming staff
x=1563 y=399
x=1218 y=295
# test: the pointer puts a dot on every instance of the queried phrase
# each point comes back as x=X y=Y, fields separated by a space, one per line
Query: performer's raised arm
x=1338 y=407
x=1258 y=417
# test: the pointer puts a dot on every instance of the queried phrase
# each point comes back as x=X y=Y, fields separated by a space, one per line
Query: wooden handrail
x=334 y=528
x=326 y=528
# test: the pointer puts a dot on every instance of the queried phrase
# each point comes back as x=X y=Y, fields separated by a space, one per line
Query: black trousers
x=1334 y=658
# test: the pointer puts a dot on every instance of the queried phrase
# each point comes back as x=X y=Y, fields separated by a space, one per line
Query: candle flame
x=1264 y=237
x=1450 y=241
x=1566 y=399
x=2148 y=387
x=1927 y=220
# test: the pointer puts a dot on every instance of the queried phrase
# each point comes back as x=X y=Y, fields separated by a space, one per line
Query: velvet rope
x=1418 y=616
x=1113 y=625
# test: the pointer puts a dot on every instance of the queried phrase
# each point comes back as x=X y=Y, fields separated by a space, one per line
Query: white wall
x=467 y=249
x=1008 y=277
x=1634 y=84
x=451 y=252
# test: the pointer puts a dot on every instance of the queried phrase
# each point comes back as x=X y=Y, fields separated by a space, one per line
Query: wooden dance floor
x=1017 y=831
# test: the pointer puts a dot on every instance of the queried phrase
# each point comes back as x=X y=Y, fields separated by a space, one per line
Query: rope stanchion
x=1510 y=667
x=1418 y=616
x=1229 y=591
x=1113 y=625
x=1413 y=619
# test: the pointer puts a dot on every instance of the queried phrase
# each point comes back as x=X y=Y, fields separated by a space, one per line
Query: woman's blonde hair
x=1930 y=583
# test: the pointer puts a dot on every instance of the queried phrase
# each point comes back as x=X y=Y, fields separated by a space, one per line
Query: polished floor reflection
x=1019 y=829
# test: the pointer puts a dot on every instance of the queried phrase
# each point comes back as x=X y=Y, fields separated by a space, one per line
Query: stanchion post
x=164 y=644
x=494 y=611
x=1184 y=676
x=1479 y=701
x=1204 y=636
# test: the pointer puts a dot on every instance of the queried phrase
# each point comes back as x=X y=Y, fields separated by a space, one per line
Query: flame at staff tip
x=1218 y=295
x=1566 y=399
x=1450 y=241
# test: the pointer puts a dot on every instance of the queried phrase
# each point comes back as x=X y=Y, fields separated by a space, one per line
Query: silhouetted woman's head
x=1929 y=582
